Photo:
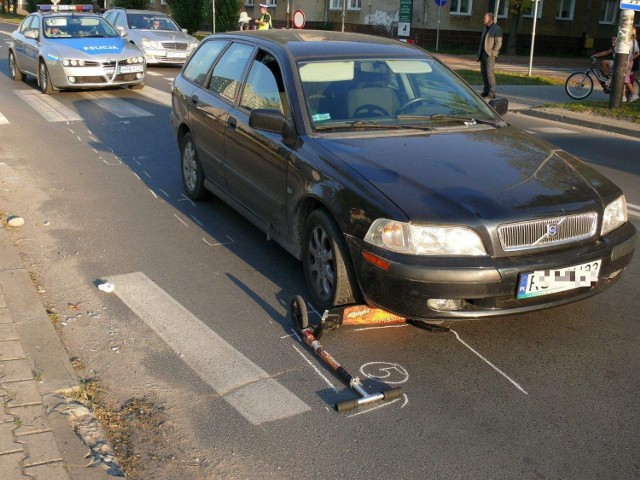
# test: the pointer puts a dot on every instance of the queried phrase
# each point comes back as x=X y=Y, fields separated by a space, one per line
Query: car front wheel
x=192 y=175
x=16 y=74
x=326 y=263
x=44 y=80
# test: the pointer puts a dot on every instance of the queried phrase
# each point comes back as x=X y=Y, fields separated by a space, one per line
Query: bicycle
x=579 y=85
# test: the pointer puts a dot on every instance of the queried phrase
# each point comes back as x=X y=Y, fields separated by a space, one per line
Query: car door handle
x=194 y=99
x=232 y=122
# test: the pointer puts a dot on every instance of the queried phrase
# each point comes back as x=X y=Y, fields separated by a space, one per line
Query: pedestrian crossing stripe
x=117 y=106
x=48 y=107
x=3 y=120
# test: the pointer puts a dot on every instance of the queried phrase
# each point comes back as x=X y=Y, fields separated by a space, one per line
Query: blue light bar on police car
x=65 y=8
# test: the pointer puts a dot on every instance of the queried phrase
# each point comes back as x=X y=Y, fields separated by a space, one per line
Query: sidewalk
x=527 y=99
x=36 y=439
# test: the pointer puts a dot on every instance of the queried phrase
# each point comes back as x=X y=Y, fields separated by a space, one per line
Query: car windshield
x=392 y=93
x=78 y=27
x=152 y=21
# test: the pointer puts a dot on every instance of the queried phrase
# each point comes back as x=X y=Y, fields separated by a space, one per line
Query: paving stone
x=10 y=468
x=15 y=370
x=48 y=471
x=40 y=448
x=7 y=438
x=21 y=393
x=32 y=419
x=11 y=350
x=8 y=331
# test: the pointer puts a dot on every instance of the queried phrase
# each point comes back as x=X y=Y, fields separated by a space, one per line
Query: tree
x=188 y=13
x=516 y=7
x=136 y=4
x=227 y=12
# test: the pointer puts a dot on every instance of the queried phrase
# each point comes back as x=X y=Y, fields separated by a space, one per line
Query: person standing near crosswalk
x=264 y=21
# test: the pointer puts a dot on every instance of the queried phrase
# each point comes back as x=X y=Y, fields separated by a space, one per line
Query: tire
x=299 y=314
x=579 y=85
x=327 y=267
x=15 y=72
x=192 y=175
x=44 y=80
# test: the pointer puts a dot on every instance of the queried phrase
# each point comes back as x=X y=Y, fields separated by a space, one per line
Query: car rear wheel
x=44 y=80
x=16 y=74
x=192 y=175
x=326 y=263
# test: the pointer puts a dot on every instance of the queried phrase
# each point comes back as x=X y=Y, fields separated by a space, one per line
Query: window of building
x=503 y=8
x=354 y=4
x=565 y=9
x=249 y=3
x=609 y=12
x=335 y=5
x=529 y=13
x=461 y=7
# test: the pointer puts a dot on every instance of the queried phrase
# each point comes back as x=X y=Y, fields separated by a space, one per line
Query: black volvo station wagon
x=391 y=179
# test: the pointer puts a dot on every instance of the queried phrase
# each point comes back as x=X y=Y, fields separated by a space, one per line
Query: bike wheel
x=579 y=85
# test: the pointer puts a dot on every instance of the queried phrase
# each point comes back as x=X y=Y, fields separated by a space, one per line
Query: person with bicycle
x=629 y=78
x=607 y=65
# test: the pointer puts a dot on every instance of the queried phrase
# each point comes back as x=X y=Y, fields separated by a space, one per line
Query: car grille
x=547 y=232
x=174 y=45
x=125 y=77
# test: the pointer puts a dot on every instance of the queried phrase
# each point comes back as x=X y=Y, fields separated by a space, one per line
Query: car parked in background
x=392 y=179
x=67 y=47
x=156 y=34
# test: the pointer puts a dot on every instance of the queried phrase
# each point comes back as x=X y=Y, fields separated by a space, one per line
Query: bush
x=188 y=13
x=136 y=4
x=227 y=13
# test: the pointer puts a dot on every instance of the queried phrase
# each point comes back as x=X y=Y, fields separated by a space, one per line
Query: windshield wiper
x=451 y=118
x=370 y=124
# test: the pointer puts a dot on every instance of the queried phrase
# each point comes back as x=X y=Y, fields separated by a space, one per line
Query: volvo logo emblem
x=552 y=230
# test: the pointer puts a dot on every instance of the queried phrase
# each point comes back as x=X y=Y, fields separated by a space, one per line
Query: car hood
x=501 y=174
x=166 y=36
x=93 y=47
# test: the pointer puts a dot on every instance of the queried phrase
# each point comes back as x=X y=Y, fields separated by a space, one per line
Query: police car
x=69 y=47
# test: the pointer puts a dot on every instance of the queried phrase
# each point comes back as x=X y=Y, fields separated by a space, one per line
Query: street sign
x=404 y=29
x=442 y=3
x=404 y=18
x=630 y=5
x=298 y=19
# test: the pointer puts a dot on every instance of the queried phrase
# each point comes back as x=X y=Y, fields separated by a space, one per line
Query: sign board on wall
x=404 y=18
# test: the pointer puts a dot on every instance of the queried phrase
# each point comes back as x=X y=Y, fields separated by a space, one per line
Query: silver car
x=155 y=33
x=73 y=49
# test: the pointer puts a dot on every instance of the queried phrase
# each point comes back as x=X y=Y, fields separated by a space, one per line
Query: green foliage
x=227 y=13
x=135 y=4
x=30 y=5
x=188 y=13
x=518 y=6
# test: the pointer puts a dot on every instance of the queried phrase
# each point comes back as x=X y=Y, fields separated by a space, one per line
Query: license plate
x=176 y=54
x=545 y=282
x=130 y=68
x=109 y=70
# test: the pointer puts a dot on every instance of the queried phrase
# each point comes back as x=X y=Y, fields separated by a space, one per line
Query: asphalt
x=37 y=439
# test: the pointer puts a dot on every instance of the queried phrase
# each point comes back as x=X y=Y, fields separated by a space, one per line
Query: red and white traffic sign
x=298 y=19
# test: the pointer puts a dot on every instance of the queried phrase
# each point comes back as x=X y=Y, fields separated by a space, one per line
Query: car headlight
x=193 y=45
x=615 y=214
x=424 y=240
x=72 y=62
x=146 y=43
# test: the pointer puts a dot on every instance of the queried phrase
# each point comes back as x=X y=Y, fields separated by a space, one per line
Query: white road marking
x=50 y=109
x=117 y=106
x=320 y=374
x=553 y=130
x=153 y=74
x=156 y=95
x=633 y=210
x=244 y=385
x=515 y=384
x=3 y=120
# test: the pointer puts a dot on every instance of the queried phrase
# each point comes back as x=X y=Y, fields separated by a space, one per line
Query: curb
x=36 y=439
x=606 y=125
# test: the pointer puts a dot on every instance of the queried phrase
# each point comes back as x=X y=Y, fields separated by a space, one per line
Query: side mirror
x=273 y=121
x=34 y=34
x=500 y=105
x=184 y=30
x=121 y=31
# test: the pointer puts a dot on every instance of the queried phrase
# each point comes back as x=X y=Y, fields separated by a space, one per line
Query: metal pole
x=344 y=13
x=213 y=3
x=533 y=35
x=623 y=47
x=438 y=30
x=495 y=11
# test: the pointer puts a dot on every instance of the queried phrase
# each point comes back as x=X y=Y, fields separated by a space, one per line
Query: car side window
x=200 y=63
x=26 y=24
x=265 y=87
x=35 y=23
x=228 y=71
x=120 y=21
